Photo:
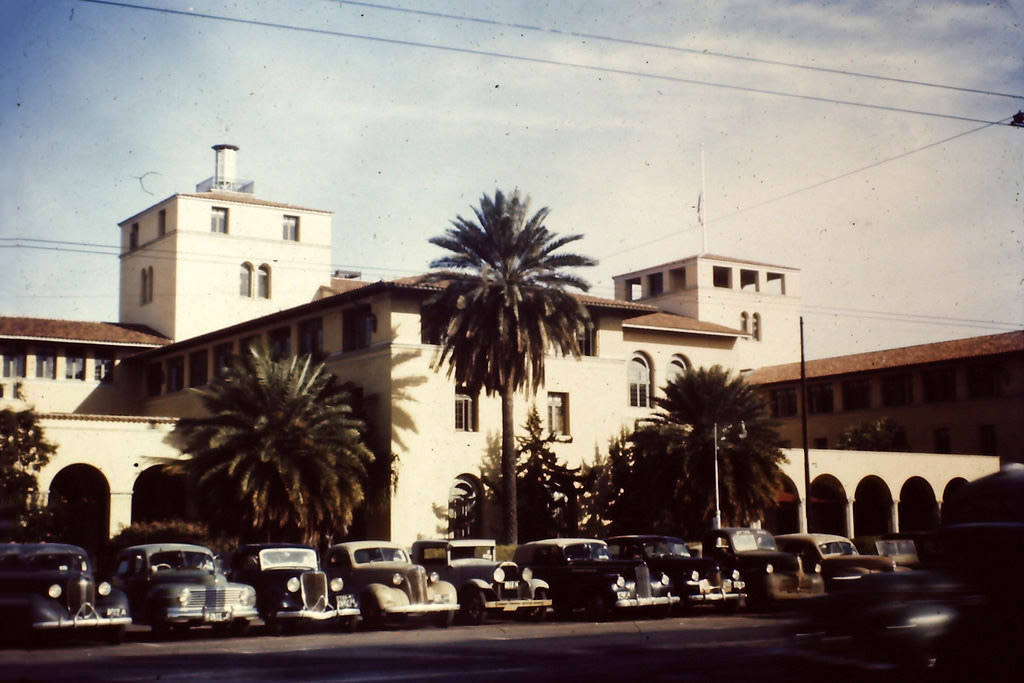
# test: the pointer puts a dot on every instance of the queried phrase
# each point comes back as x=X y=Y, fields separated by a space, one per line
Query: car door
x=132 y=576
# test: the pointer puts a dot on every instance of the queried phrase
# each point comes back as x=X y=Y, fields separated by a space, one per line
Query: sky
x=864 y=143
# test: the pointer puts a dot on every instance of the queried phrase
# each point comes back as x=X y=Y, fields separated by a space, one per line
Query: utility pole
x=803 y=430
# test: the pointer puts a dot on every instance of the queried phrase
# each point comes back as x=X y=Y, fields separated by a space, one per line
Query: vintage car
x=51 y=587
x=771 y=576
x=179 y=585
x=484 y=584
x=837 y=556
x=701 y=576
x=389 y=585
x=959 y=619
x=583 y=576
x=290 y=587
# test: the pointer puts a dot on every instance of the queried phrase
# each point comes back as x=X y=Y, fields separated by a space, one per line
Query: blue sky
x=903 y=210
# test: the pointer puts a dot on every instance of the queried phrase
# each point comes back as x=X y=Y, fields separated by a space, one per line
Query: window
x=357 y=328
x=939 y=385
x=639 y=375
x=941 y=439
x=655 y=284
x=74 y=366
x=587 y=339
x=633 y=291
x=290 y=228
x=558 y=413
x=280 y=342
x=222 y=354
x=748 y=280
x=897 y=390
x=14 y=361
x=983 y=380
x=175 y=374
x=775 y=283
x=745 y=321
x=144 y=287
x=263 y=282
x=198 y=368
x=722 y=276
x=245 y=280
x=821 y=442
x=154 y=379
x=149 y=285
x=46 y=363
x=311 y=338
x=218 y=220
x=677 y=367
x=103 y=367
x=133 y=237
x=465 y=411
x=783 y=402
x=756 y=327
x=819 y=398
x=856 y=394
x=161 y=223
x=246 y=343
x=987 y=440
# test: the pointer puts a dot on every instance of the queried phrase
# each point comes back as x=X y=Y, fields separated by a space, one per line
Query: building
x=205 y=274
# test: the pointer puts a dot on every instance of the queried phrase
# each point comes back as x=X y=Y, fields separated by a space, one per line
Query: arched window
x=464 y=500
x=263 y=282
x=677 y=367
x=245 y=280
x=639 y=375
x=145 y=286
x=757 y=327
x=744 y=321
x=149 y=285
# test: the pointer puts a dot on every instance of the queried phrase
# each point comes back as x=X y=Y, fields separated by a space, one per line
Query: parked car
x=389 y=585
x=771 y=576
x=50 y=587
x=290 y=587
x=484 y=585
x=837 y=556
x=179 y=585
x=583 y=576
x=911 y=549
x=701 y=576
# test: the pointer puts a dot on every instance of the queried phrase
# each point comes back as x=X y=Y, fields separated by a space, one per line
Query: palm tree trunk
x=508 y=466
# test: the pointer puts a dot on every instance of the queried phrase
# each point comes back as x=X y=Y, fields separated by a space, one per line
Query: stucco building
x=204 y=274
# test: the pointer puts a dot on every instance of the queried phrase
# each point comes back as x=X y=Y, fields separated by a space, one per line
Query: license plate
x=511 y=585
x=216 y=616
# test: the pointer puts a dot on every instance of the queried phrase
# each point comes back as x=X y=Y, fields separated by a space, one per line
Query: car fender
x=478 y=584
x=443 y=590
x=539 y=583
x=386 y=596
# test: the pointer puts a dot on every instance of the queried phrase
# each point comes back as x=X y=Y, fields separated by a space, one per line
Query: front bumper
x=346 y=607
x=513 y=605
x=422 y=608
x=87 y=617
x=704 y=591
x=794 y=587
x=627 y=603
x=206 y=615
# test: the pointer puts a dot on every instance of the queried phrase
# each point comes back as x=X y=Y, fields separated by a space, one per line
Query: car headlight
x=768 y=569
x=396 y=579
x=817 y=568
x=620 y=581
x=55 y=591
x=337 y=584
x=184 y=596
x=293 y=585
x=664 y=580
x=103 y=589
x=248 y=596
x=499 y=574
x=694 y=575
x=527 y=574
x=434 y=577
x=735 y=574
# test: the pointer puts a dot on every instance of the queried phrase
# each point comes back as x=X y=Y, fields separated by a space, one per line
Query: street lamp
x=717 y=522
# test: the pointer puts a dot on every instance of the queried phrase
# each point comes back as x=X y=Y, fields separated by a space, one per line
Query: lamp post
x=717 y=521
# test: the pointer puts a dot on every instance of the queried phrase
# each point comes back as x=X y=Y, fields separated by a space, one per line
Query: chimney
x=225 y=166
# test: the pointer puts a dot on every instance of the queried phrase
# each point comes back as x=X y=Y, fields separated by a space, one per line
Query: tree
x=280 y=454
x=546 y=487
x=879 y=435
x=24 y=451
x=666 y=478
x=504 y=305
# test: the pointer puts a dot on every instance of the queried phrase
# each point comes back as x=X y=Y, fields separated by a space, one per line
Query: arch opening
x=79 y=499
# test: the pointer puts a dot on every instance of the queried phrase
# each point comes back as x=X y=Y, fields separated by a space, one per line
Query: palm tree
x=280 y=454
x=504 y=306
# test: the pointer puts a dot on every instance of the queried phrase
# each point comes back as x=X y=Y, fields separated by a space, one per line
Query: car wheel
x=272 y=625
x=729 y=606
x=160 y=629
x=538 y=614
x=444 y=619
x=597 y=607
x=115 y=635
x=473 y=607
x=239 y=628
x=347 y=624
x=373 y=618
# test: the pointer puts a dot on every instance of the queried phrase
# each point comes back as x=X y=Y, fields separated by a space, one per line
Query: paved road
x=703 y=648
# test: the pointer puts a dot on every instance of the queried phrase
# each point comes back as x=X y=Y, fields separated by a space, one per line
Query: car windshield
x=744 y=540
x=666 y=548
x=54 y=562
x=897 y=547
x=587 y=551
x=473 y=552
x=291 y=558
x=380 y=554
x=181 y=560
x=833 y=548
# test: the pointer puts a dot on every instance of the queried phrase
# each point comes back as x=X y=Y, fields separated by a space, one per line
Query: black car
x=703 y=579
x=583 y=576
x=290 y=587
x=771 y=576
x=50 y=587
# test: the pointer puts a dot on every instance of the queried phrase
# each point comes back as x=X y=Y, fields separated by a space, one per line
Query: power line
x=541 y=60
x=676 y=48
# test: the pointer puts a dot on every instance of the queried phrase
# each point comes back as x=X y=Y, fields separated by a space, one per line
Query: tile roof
x=671 y=321
x=237 y=197
x=972 y=347
x=76 y=330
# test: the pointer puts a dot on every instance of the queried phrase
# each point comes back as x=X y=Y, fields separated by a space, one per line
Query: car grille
x=314 y=589
x=416 y=580
x=214 y=598
x=511 y=587
x=80 y=591
x=643 y=581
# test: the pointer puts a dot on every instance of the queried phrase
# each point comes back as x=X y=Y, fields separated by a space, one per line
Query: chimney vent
x=225 y=173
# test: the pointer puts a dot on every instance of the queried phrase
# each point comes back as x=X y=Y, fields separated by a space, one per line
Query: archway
x=952 y=488
x=827 y=510
x=79 y=499
x=465 y=518
x=918 y=508
x=158 y=496
x=784 y=518
x=872 y=507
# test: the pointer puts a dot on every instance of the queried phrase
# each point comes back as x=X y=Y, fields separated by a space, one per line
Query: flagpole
x=702 y=206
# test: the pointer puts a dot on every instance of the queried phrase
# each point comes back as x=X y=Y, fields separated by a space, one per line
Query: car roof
x=40 y=548
x=249 y=547
x=353 y=546
x=643 y=537
x=813 y=538
x=150 y=548
x=562 y=542
x=457 y=542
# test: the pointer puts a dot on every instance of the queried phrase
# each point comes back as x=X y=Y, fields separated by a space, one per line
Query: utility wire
x=677 y=48
x=540 y=60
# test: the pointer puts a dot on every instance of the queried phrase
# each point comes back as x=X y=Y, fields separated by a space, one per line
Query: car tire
x=160 y=630
x=444 y=619
x=597 y=608
x=729 y=606
x=538 y=614
x=239 y=628
x=373 y=617
x=115 y=635
x=473 y=606
x=272 y=625
x=348 y=624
